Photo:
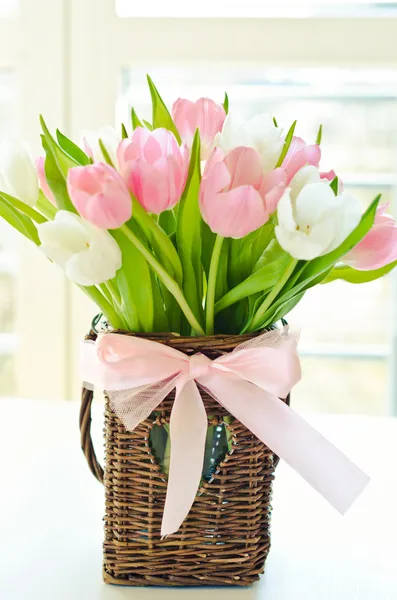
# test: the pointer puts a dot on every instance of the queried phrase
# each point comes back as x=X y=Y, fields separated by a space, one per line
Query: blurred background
x=82 y=63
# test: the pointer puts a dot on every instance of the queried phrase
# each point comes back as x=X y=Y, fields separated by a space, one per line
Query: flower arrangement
x=196 y=223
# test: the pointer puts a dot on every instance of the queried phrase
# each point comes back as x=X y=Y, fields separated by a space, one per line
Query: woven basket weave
x=225 y=538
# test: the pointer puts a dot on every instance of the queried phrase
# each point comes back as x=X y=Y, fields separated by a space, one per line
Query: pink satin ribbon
x=138 y=374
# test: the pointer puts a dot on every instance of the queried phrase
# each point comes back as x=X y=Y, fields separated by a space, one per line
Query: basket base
x=178 y=581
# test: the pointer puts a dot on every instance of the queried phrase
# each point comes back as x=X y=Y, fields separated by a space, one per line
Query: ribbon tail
x=289 y=436
x=188 y=430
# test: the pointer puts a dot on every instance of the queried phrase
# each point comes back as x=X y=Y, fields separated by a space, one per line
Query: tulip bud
x=154 y=167
x=100 y=195
x=236 y=197
x=88 y=255
x=379 y=247
x=258 y=133
x=205 y=115
x=18 y=176
x=314 y=221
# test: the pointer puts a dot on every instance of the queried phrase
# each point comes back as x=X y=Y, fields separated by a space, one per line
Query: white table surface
x=51 y=512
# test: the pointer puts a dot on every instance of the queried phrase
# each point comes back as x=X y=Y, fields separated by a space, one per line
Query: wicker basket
x=224 y=540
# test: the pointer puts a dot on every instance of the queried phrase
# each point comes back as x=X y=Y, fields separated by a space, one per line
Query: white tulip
x=110 y=138
x=18 y=173
x=87 y=254
x=305 y=175
x=259 y=133
x=316 y=221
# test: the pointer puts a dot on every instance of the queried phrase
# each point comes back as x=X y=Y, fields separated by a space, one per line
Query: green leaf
x=351 y=275
x=24 y=208
x=124 y=132
x=282 y=310
x=161 y=115
x=287 y=144
x=246 y=251
x=226 y=103
x=148 y=125
x=63 y=161
x=72 y=149
x=254 y=303
x=188 y=234
x=266 y=275
x=334 y=185
x=275 y=122
x=319 y=135
x=105 y=153
x=135 y=284
x=18 y=220
x=45 y=207
x=56 y=180
x=135 y=120
x=160 y=320
x=207 y=242
x=167 y=222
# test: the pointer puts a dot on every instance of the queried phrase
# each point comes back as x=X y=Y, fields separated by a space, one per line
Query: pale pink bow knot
x=138 y=374
x=198 y=366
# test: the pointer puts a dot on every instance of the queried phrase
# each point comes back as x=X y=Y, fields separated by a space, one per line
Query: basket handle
x=85 y=434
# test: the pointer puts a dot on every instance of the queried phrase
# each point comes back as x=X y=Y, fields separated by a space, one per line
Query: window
x=256 y=8
x=32 y=295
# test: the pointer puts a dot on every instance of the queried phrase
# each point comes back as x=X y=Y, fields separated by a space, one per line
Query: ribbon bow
x=138 y=374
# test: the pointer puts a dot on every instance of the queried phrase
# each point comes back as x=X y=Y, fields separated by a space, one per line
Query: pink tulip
x=154 y=168
x=235 y=196
x=379 y=247
x=205 y=115
x=299 y=155
x=43 y=180
x=100 y=195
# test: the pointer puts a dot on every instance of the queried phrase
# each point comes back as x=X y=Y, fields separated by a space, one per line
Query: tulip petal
x=379 y=246
x=348 y=215
x=235 y=213
x=305 y=175
x=301 y=156
x=88 y=255
x=298 y=244
x=43 y=180
x=100 y=195
x=272 y=188
x=285 y=212
x=244 y=167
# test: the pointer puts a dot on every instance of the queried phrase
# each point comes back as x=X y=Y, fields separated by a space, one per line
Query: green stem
x=157 y=237
x=45 y=207
x=258 y=316
x=104 y=290
x=211 y=285
x=114 y=291
x=167 y=280
x=105 y=307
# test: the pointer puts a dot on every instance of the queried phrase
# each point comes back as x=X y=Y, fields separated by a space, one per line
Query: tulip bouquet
x=196 y=223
